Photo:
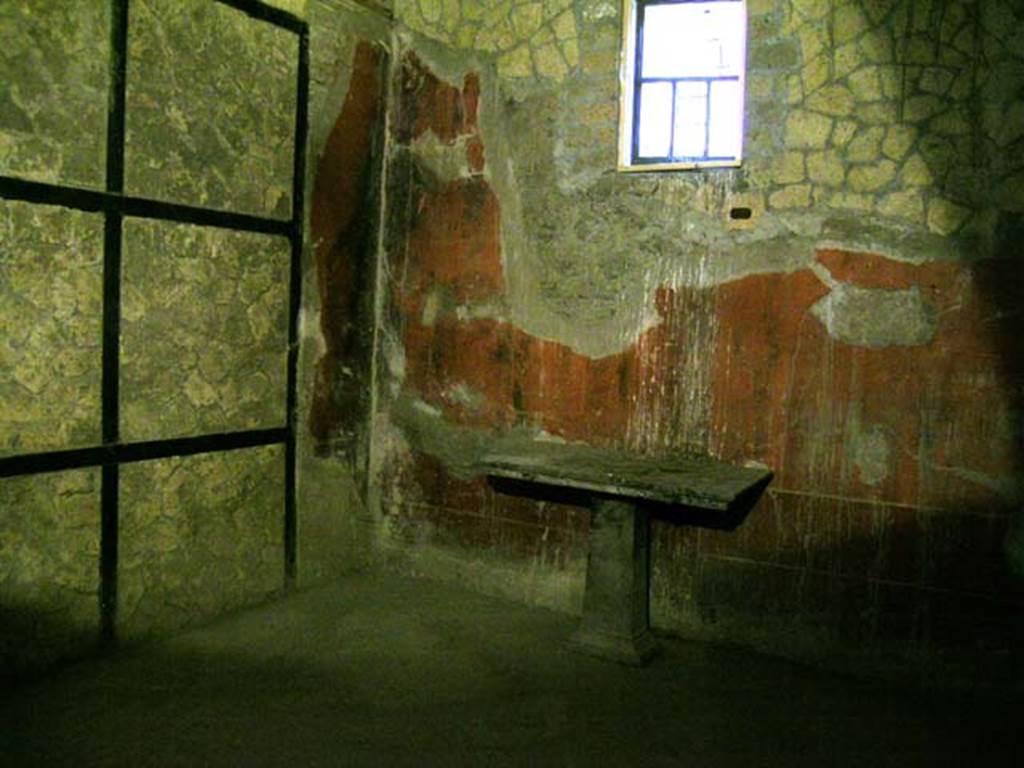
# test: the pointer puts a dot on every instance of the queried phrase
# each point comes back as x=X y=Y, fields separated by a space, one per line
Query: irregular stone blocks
x=204 y=330
x=210 y=107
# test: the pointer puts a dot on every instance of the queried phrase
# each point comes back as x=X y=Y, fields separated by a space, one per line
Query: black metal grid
x=639 y=81
x=115 y=206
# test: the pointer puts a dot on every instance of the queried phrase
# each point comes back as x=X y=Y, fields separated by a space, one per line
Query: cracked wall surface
x=51 y=272
x=53 y=96
x=210 y=115
x=53 y=90
x=204 y=328
x=49 y=579
x=199 y=536
x=881 y=149
x=216 y=303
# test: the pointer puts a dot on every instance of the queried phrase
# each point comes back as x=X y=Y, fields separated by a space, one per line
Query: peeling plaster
x=447 y=161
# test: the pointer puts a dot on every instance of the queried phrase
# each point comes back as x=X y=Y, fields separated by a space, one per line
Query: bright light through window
x=683 y=74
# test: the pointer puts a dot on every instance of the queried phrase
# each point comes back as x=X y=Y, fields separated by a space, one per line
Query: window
x=682 y=75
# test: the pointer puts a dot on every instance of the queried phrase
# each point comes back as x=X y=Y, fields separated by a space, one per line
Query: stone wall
x=855 y=334
x=53 y=104
x=230 y=341
x=200 y=535
x=53 y=70
x=51 y=311
x=49 y=575
x=530 y=39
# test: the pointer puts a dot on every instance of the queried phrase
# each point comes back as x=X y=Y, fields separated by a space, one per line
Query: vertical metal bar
x=294 y=302
x=112 y=245
x=707 y=116
x=672 y=123
x=109 y=490
x=641 y=9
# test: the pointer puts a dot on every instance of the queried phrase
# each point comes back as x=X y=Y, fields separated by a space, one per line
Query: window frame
x=629 y=88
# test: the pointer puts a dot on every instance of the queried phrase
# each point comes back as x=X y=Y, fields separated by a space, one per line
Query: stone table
x=622 y=489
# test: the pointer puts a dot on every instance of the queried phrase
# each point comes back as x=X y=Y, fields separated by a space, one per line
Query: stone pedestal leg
x=615 y=623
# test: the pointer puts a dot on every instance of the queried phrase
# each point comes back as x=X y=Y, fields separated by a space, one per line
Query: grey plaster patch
x=898 y=242
x=446 y=161
x=418 y=426
x=466 y=396
x=1009 y=487
x=871 y=453
x=583 y=259
x=877 y=318
x=599 y=10
x=422 y=426
x=393 y=357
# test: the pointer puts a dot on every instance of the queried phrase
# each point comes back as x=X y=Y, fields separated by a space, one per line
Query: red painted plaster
x=800 y=396
x=746 y=369
x=341 y=223
x=454 y=243
x=428 y=104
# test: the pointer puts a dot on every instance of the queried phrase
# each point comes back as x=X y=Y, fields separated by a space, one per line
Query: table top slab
x=695 y=481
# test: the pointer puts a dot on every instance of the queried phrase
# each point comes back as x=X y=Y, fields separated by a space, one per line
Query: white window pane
x=693 y=39
x=655 y=119
x=691 y=117
x=726 y=119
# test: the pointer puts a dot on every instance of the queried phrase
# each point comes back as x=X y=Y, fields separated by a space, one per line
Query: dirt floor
x=384 y=671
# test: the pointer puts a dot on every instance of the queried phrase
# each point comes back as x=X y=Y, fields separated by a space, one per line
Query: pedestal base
x=615 y=623
x=635 y=651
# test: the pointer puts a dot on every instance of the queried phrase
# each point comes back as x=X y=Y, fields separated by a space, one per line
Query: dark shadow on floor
x=380 y=670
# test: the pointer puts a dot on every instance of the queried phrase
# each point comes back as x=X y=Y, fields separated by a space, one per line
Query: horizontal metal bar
x=188 y=214
x=13 y=188
x=684 y=159
x=690 y=79
x=268 y=13
x=189 y=446
x=25 y=190
x=55 y=461
x=648 y=3
x=127 y=453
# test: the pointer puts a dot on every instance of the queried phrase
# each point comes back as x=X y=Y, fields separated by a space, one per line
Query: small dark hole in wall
x=740 y=214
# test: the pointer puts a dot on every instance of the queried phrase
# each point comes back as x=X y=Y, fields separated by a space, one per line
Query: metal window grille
x=693 y=98
x=116 y=206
